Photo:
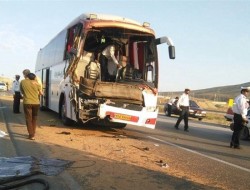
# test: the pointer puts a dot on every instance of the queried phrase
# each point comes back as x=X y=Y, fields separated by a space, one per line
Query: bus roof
x=105 y=17
x=89 y=16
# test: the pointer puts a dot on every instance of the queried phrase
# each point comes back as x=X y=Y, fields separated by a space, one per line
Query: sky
x=211 y=37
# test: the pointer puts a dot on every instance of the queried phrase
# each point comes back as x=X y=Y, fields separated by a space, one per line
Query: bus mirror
x=171 y=51
x=171 y=48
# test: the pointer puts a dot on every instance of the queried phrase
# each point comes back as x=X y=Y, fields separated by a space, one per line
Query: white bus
x=102 y=69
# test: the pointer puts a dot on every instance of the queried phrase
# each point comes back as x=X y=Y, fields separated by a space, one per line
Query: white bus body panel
x=143 y=116
x=57 y=84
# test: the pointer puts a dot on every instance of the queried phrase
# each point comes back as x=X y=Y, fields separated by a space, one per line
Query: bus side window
x=69 y=44
x=73 y=40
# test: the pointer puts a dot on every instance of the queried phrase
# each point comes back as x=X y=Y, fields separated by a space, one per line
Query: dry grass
x=216 y=119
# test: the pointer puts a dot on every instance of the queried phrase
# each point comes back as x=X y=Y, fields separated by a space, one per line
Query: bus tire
x=63 y=117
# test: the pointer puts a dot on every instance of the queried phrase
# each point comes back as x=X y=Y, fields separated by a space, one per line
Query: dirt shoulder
x=107 y=158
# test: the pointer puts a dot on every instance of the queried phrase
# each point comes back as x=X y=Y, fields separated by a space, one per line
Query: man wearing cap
x=16 y=94
x=183 y=106
x=240 y=119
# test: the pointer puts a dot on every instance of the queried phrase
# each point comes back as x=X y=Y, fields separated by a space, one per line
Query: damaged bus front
x=102 y=69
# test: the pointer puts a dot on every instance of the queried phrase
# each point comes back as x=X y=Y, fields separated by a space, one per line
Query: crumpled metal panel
x=118 y=90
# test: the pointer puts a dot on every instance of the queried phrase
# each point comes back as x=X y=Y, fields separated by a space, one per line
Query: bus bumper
x=141 y=118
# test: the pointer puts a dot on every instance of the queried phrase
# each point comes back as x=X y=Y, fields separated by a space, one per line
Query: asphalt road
x=202 y=155
x=205 y=151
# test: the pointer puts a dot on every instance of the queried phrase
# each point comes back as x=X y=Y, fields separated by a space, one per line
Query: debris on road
x=65 y=133
x=142 y=149
x=162 y=164
x=2 y=133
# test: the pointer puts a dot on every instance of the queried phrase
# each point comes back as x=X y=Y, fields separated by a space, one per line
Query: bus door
x=45 y=85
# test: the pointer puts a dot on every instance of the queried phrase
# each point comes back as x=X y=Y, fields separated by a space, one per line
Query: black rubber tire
x=244 y=133
x=66 y=121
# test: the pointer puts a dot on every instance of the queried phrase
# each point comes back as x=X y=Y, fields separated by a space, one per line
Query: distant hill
x=222 y=93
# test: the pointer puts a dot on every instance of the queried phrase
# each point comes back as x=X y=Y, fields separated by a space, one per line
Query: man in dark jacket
x=16 y=94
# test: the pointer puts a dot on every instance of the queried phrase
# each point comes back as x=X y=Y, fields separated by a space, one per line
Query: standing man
x=240 y=119
x=109 y=64
x=16 y=94
x=183 y=106
x=170 y=105
x=31 y=91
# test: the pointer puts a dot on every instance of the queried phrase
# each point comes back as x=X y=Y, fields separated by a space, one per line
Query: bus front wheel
x=65 y=120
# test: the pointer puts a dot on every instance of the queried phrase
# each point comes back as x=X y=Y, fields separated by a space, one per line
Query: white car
x=246 y=131
x=3 y=86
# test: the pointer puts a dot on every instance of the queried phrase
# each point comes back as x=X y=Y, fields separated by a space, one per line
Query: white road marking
x=195 y=152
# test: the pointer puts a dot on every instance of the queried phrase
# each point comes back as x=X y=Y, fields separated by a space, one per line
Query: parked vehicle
x=246 y=131
x=3 y=86
x=195 y=110
x=229 y=115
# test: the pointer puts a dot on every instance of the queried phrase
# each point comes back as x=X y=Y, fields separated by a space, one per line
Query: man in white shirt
x=170 y=104
x=16 y=94
x=240 y=119
x=110 y=64
x=183 y=106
